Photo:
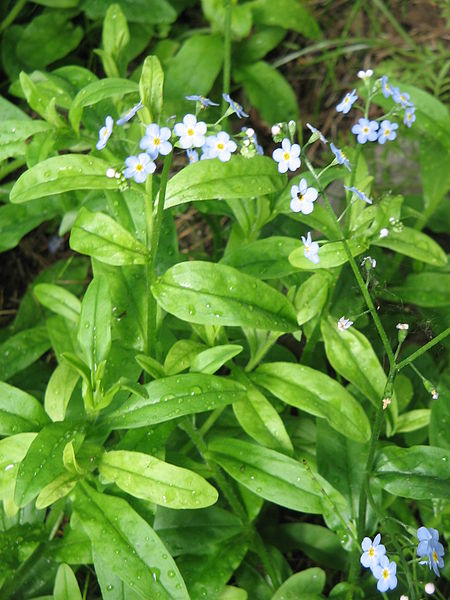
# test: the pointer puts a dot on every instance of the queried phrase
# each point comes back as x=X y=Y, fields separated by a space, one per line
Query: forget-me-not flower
x=342 y=325
x=235 y=106
x=192 y=155
x=340 y=156
x=372 y=551
x=401 y=97
x=104 y=133
x=361 y=195
x=410 y=116
x=287 y=156
x=347 y=102
x=138 y=167
x=365 y=130
x=219 y=146
x=311 y=249
x=386 y=87
x=191 y=133
x=303 y=198
x=205 y=102
x=155 y=140
x=385 y=572
x=130 y=113
x=322 y=138
x=430 y=547
x=387 y=131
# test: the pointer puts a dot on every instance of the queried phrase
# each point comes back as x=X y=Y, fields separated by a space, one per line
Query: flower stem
x=11 y=16
x=409 y=359
x=226 y=52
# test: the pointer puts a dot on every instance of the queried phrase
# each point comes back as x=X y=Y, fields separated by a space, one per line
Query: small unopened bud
x=110 y=173
x=386 y=402
x=276 y=129
x=429 y=588
x=402 y=331
x=250 y=132
x=384 y=232
x=292 y=128
x=434 y=394
x=403 y=597
x=369 y=263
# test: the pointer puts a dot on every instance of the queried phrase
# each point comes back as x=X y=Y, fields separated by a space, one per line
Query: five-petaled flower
x=219 y=146
x=365 y=130
x=130 y=113
x=138 y=167
x=313 y=130
x=361 y=195
x=385 y=572
x=192 y=155
x=431 y=548
x=191 y=133
x=205 y=102
x=386 y=87
x=410 y=116
x=104 y=133
x=342 y=325
x=372 y=551
x=347 y=102
x=155 y=140
x=303 y=197
x=311 y=249
x=401 y=97
x=340 y=156
x=387 y=131
x=287 y=156
x=235 y=106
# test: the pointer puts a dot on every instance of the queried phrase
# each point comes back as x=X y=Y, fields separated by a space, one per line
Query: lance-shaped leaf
x=19 y=412
x=274 y=476
x=59 y=390
x=59 y=300
x=13 y=134
x=62 y=174
x=128 y=545
x=173 y=397
x=414 y=244
x=147 y=477
x=101 y=237
x=424 y=289
x=331 y=255
x=44 y=460
x=210 y=360
x=237 y=178
x=317 y=394
x=420 y=472
x=214 y=294
x=12 y=451
x=151 y=87
x=306 y=584
x=66 y=585
x=22 y=350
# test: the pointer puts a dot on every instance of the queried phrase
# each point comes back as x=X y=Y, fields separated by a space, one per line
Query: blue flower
x=311 y=249
x=287 y=156
x=385 y=572
x=347 y=102
x=361 y=195
x=401 y=97
x=104 y=133
x=205 y=102
x=139 y=167
x=410 y=116
x=313 y=130
x=365 y=130
x=219 y=146
x=372 y=551
x=155 y=140
x=192 y=155
x=340 y=156
x=235 y=106
x=386 y=88
x=387 y=131
x=303 y=198
x=430 y=547
x=130 y=114
x=191 y=133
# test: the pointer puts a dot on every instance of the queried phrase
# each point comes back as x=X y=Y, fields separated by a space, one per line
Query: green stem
x=11 y=166
x=404 y=363
x=226 y=52
x=13 y=13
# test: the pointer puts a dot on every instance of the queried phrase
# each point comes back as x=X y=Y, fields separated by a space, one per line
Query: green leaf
x=268 y=91
x=22 y=350
x=151 y=87
x=424 y=289
x=135 y=11
x=111 y=586
x=149 y=478
x=59 y=300
x=44 y=460
x=66 y=586
x=289 y=14
x=241 y=18
x=96 y=92
x=62 y=174
x=94 y=331
x=317 y=394
x=211 y=360
x=433 y=172
x=420 y=472
x=307 y=584
x=115 y=33
x=181 y=355
x=12 y=451
x=173 y=397
x=214 y=294
x=128 y=545
x=331 y=255
x=266 y=258
x=439 y=420
x=414 y=244
x=59 y=391
x=19 y=412
x=13 y=134
x=413 y=420
x=240 y=177
x=273 y=476
x=43 y=104
x=99 y=236
x=310 y=297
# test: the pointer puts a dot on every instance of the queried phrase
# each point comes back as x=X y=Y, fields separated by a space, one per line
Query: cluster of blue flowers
x=192 y=134
x=374 y=558
x=430 y=548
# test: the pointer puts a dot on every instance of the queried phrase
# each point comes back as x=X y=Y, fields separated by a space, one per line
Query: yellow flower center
x=387 y=86
x=190 y=131
x=343 y=156
x=105 y=133
x=435 y=556
x=286 y=156
x=371 y=552
x=387 y=131
x=306 y=247
x=220 y=146
x=156 y=141
x=365 y=130
x=385 y=573
x=139 y=167
x=409 y=116
x=300 y=197
x=346 y=99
